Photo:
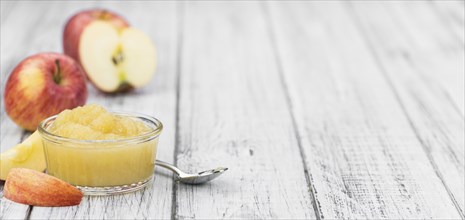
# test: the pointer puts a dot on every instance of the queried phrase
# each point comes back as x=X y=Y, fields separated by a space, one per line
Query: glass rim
x=138 y=138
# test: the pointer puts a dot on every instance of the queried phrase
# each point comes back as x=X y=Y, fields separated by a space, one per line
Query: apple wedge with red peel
x=28 y=154
x=116 y=59
x=39 y=189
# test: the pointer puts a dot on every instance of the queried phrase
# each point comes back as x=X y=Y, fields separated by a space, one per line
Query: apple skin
x=76 y=25
x=30 y=187
x=31 y=93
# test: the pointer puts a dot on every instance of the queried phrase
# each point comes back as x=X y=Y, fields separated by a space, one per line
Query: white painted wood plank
x=438 y=53
x=158 y=99
x=365 y=160
x=14 y=48
x=424 y=77
x=31 y=28
x=233 y=113
x=5 y=8
x=324 y=80
x=452 y=15
x=21 y=36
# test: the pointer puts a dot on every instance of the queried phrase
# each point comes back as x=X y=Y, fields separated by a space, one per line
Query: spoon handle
x=169 y=166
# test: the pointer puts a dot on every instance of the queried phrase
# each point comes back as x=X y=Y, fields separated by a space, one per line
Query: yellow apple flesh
x=116 y=58
x=28 y=154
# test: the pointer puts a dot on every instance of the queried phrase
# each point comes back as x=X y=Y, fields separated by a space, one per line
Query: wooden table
x=323 y=110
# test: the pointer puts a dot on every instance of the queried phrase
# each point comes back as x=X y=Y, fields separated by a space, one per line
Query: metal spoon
x=188 y=178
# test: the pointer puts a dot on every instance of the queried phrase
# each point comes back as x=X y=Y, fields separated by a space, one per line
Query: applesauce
x=101 y=152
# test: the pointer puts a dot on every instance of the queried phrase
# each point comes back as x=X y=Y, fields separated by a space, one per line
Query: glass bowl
x=103 y=167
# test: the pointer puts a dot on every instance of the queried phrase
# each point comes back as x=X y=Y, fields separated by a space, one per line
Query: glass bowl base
x=114 y=190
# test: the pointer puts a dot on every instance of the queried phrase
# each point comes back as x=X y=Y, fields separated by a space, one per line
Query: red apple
x=114 y=56
x=43 y=85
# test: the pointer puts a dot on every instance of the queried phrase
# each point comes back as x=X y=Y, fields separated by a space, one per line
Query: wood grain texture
x=452 y=16
x=432 y=48
x=365 y=160
x=14 y=48
x=233 y=113
x=5 y=9
x=157 y=99
x=425 y=75
x=328 y=110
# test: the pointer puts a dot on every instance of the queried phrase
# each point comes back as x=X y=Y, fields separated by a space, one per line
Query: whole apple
x=43 y=85
x=114 y=56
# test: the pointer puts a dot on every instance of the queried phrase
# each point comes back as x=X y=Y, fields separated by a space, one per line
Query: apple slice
x=34 y=188
x=116 y=59
x=28 y=154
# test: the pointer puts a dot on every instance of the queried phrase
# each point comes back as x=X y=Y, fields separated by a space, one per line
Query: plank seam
x=370 y=47
x=180 y=25
x=29 y=211
x=284 y=85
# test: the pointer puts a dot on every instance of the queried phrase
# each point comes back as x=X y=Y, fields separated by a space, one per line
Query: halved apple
x=116 y=59
x=28 y=154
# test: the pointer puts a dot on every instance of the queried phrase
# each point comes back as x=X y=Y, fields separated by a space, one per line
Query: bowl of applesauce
x=101 y=152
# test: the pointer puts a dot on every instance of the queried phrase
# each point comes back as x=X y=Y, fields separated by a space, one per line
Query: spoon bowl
x=193 y=179
x=202 y=177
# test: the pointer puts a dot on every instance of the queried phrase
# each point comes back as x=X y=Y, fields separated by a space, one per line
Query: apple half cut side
x=116 y=60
